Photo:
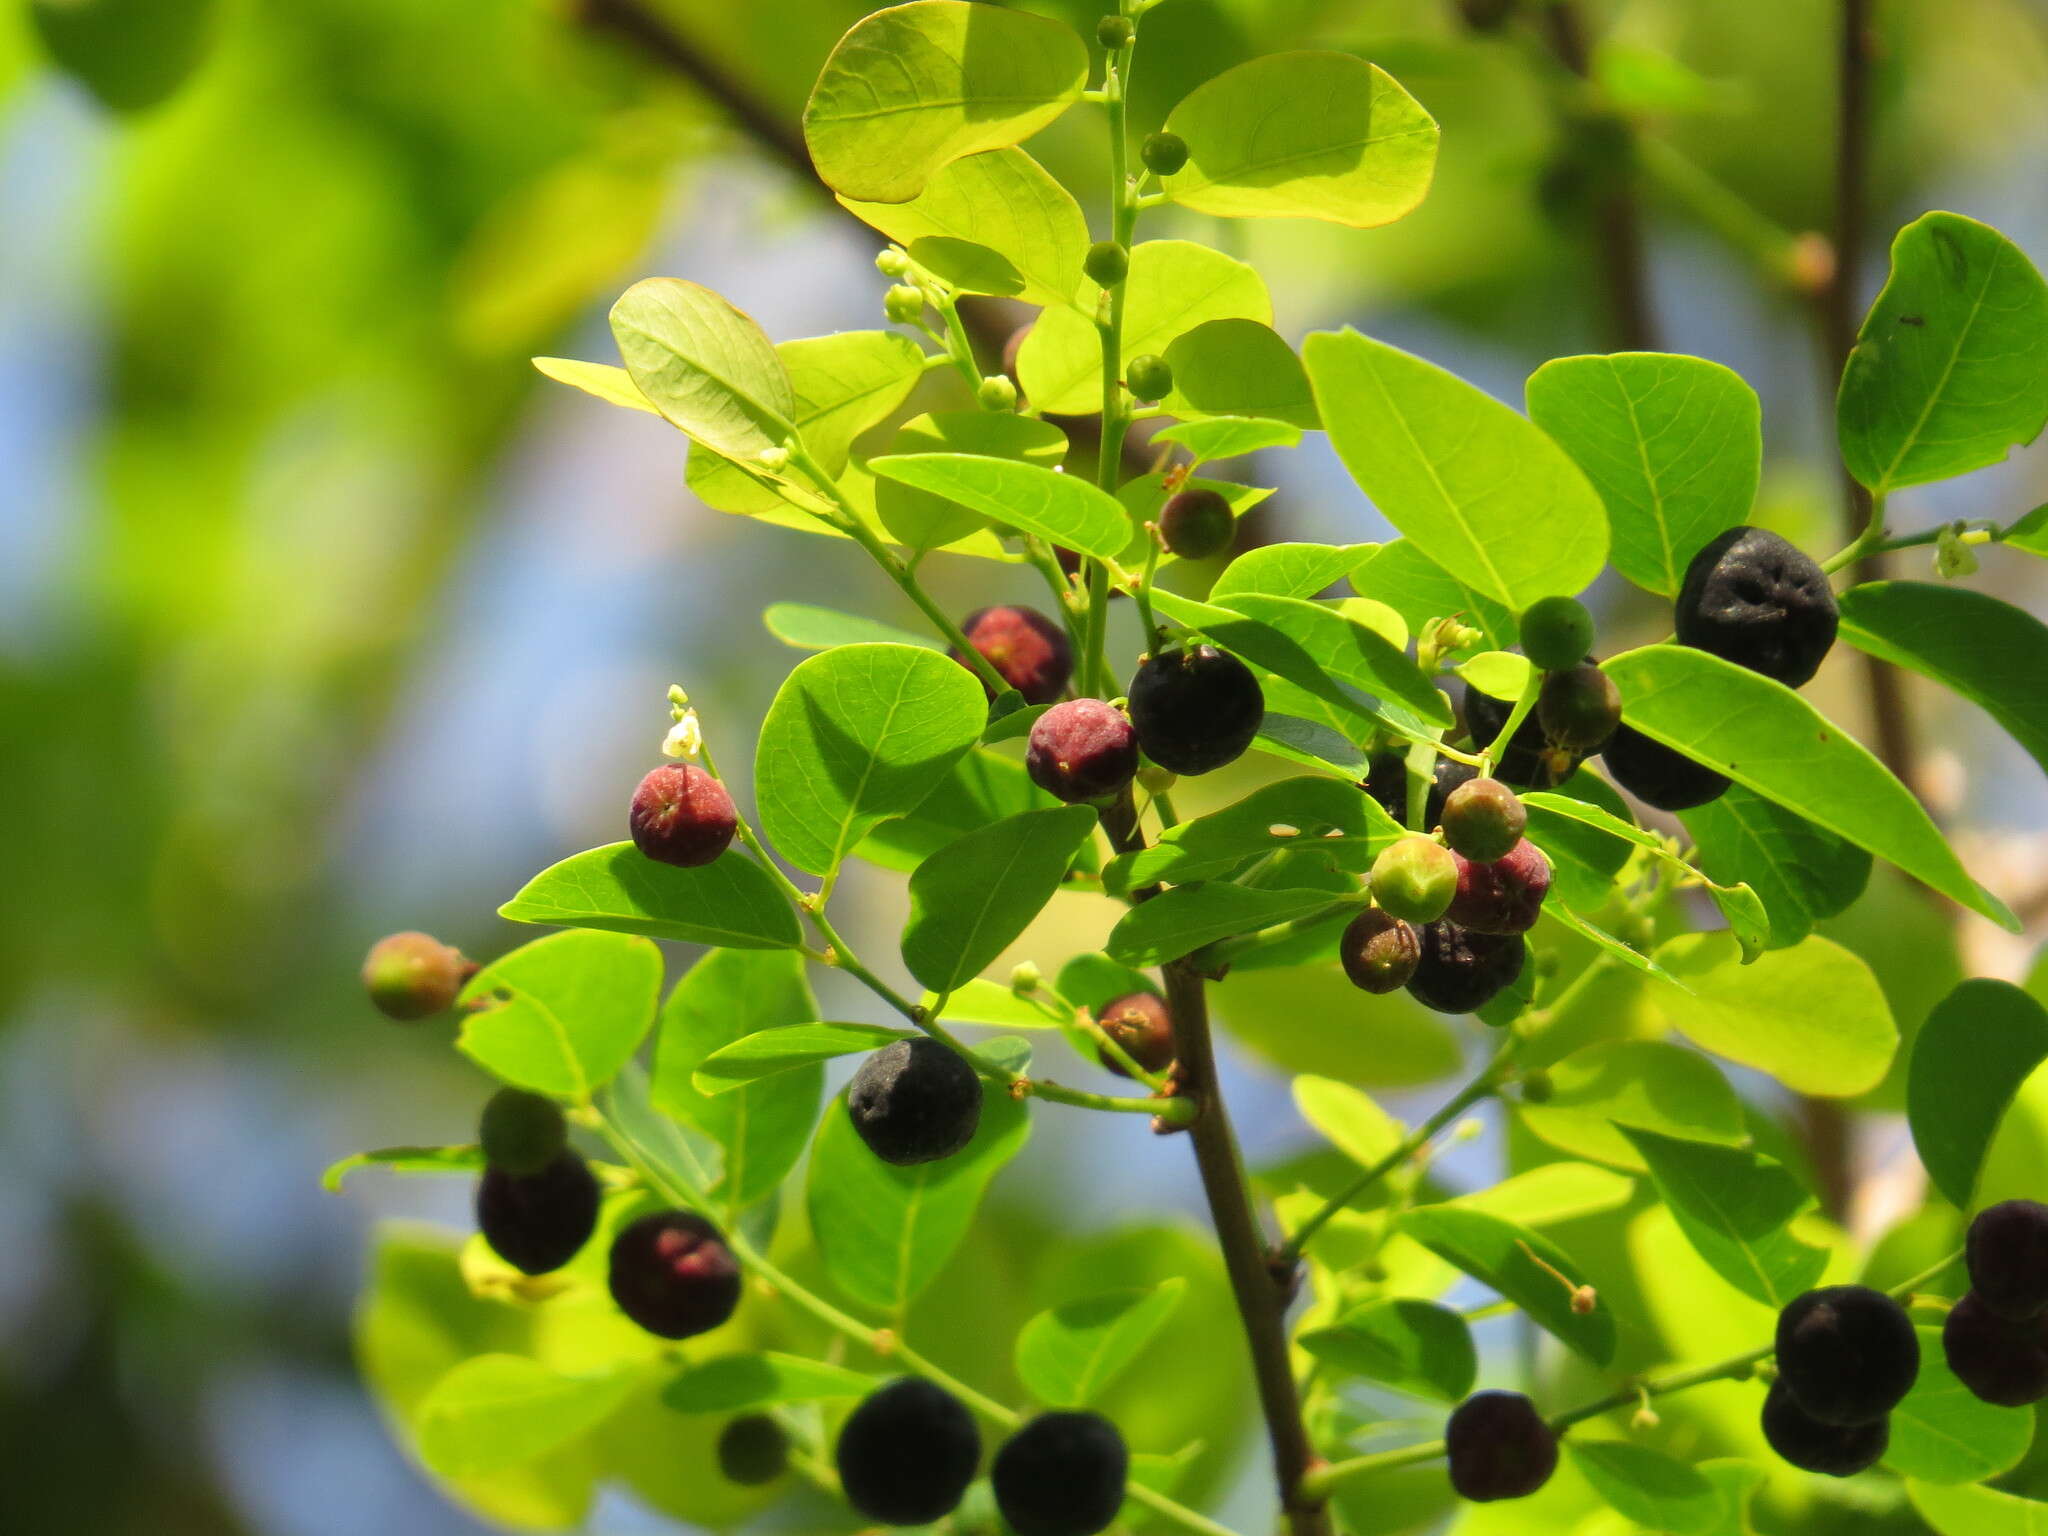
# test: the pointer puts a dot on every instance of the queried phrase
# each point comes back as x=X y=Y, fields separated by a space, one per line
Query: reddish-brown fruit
x=1139 y=1022
x=1082 y=750
x=1505 y=896
x=1483 y=819
x=681 y=815
x=1379 y=951
x=413 y=976
x=1197 y=523
x=1028 y=650
x=673 y=1275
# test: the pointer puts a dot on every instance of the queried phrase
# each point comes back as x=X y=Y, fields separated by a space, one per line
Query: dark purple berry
x=1838 y=1450
x=1139 y=1022
x=1753 y=599
x=1847 y=1353
x=1483 y=819
x=1082 y=750
x=1196 y=523
x=540 y=1222
x=1498 y=1447
x=1579 y=709
x=673 y=1275
x=682 y=815
x=1528 y=761
x=1195 y=709
x=1505 y=896
x=1657 y=775
x=914 y=1101
x=1028 y=650
x=414 y=976
x=1379 y=951
x=2007 y=1252
x=1062 y=1474
x=753 y=1449
x=521 y=1132
x=1461 y=971
x=1999 y=1360
x=907 y=1453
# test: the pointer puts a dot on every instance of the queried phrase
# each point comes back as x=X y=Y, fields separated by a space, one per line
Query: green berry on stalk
x=753 y=1449
x=1483 y=819
x=997 y=393
x=1115 y=32
x=1414 y=879
x=903 y=303
x=1149 y=377
x=1556 y=633
x=1164 y=153
x=1196 y=523
x=1106 y=263
x=521 y=1132
x=413 y=976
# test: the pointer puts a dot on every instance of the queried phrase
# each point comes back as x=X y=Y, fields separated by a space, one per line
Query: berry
x=413 y=976
x=1139 y=1022
x=1115 y=32
x=1195 y=709
x=1149 y=377
x=914 y=1101
x=1164 y=153
x=753 y=1449
x=1498 y=1447
x=1579 y=709
x=1414 y=878
x=521 y=1132
x=673 y=1275
x=1483 y=819
x=1197 y=523
x=1461 y=971
x=1847 y=1353
x=1839 y=1450
x=681 y=815
x=997 y=393
x=1657 y=775
x=1062 y=1474
x=1999 y=1360
x=1387 y=782
x=1528 y=761
x=539 y=1222
x=1753 y=599
x=1556 y=632
x=1106 y=263
x=907 y=1453
x=1379 y=952
x=2007 y=1252
x=1504 y=896
x=1028 y=650
x=903 y=303
x=1082 y=750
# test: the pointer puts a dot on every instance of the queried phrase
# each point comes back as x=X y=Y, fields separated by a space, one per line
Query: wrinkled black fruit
x=753 y=1449
x=1460 y=971
x=1529 y=761
x=521 y=1132
x=2001 y=1361
x=1847 y=1353
x=1387 y=782
x=1195 y=709
x=914 y=1101
x=537 y=1223
x=1379 y=951
x=907 y=1453
x=1062 y=1474
x=1498 y=1447
x=1082 y=750
x=673 y=1275
x=1658 y=776
x=1753 y=599
x=2008 y=1257
x=1839 y=1450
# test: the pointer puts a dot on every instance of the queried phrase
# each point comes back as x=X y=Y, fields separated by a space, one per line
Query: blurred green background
x=322 y=614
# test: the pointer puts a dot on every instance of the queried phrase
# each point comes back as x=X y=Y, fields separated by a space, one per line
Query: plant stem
x=1721 y=208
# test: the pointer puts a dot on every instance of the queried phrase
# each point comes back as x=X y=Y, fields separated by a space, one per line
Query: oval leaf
x=1801 y=873
x=785 y=1049
x=971 y=899
x=1185 y=918
x=1505 y=1256
x=1068 y=1355
x=1735 y=1206
x=494 y=1411
x=705 y=366
x=1977 y=1047
x=730 y=902
x=1944 y=1433
x=1602 y=1091
x=1413 y=1346
x=1655 y=1491
x=564 y=1013
x=1026 y=497
x=732 y=1383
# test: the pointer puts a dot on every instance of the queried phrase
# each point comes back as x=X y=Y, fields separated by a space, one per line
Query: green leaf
x=1654 y=1491
x=967 y=266
x=1004 y=201
x=1172 y=287
x=1970 y=1511
x=496 y=1411
x=725 y=998
x=1238 y=368
x=1413 y=1346
x=1299 y=812
x=786 y=1048
x=1303 y=136
x=1944 y=1433
x=856 y=735
x=706 y=366
x=131 y=54
x=808 y=627
x=664 y=1143
x=1182 y=920
x=982 y=787
x=914 y=87
x=1812 y=1016
x=1674 y=445
x=1604 y=1090
x=564 y=1013
x=884 y=1231
x=1472 y=483
x=1419 y=589
x=1066 y=1356
x=602 y=381
x=1993 y=654
x=971 y=899
x=1801 y=873
x=1735 y=1206
x=1309 y=1018
x=921 y=520
x=734 y=1383
x=1499 y=674
x=469 y=1160
x=1286 y=570
x=1311 y=744
x=1029 y=498
x=1505 y=1256
x=1550 y=1193
x=1977 y=1047
x=1347 y=1118
x=1231 y=437
x=1945 y=376
x=1766 y=737
x=730 y=901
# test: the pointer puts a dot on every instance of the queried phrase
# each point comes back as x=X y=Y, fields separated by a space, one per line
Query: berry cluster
x=1996 y=1337
x=1846 y=1357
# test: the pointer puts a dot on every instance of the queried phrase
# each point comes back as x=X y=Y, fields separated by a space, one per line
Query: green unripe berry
x=1196 y=523
x=997 y=393
x=1115 y=32
x=1579 y=708
x=903 y=303
x=1106 y=263
x=1415 y=879
x=413 y=976
x=521 y=1132
x=1148 y=377
x=1483 y=819
x=1557 y=632
x=753 y=1449
x=1537 y=1087
x=892 y=262
x=1164 y=153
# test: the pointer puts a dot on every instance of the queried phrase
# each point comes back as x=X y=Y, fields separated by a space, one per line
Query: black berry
x=413 y=976
x=1149 y=377
x=1658 y=776
x=538 y=1223
x=1164 y=153
x=914 y=1101
x=1578 y=709
x=1839 y=1450
x=2000 y=1360
x=1505 y=896
x=1483 y=819
x=907 y=1453
x=1414 y=878
x=1498 y=1447
x=1379 y=951
x=753 y=1449
x=1082 y=750
x=1195 y=709
x=521 y=1132
x=673 y=1275
x=1387 y=783
x=1139 y=1022
x=681 y=815
x=1461 y=971
x=1196 y=523
x=1847 y=1353
x=2007 y=1251
x=1528 y=761
x=1556 y=632
x=1062 y=1474
x=1028 y=650
x=1753 y=599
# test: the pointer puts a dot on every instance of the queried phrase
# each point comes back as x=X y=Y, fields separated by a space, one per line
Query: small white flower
x=685 y=738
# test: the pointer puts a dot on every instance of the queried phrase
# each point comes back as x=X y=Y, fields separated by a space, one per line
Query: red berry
x=1028 y=650
x=682 y=815
x=1082 y=750
x=1505 y=896
x=673 y=1275
x=413 y=976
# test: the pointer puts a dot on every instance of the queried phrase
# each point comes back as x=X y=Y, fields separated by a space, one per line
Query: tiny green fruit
x=997 y=393
x=1556 y=633
x=1483 y=819
x=1115 y=32
x=1106 y=263
x=1164 y=153
x=903 y=303
x=753 y=1449
x=1149 y=377
x=1414 y=879
x=521 y=1132
x=1197 y=523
